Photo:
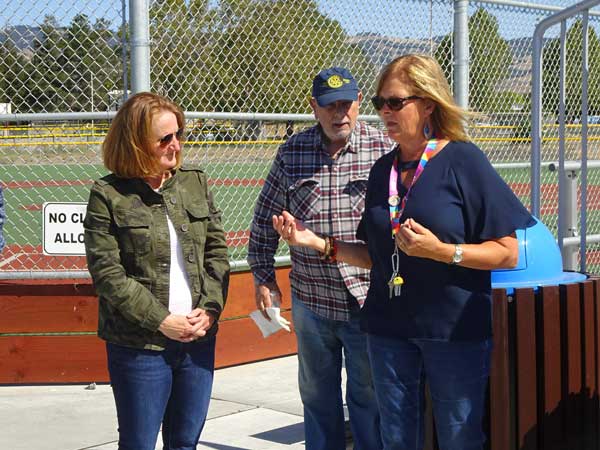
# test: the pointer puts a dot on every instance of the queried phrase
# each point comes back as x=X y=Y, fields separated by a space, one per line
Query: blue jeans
x=457 y=373
x=320 y=345
x=171 y=386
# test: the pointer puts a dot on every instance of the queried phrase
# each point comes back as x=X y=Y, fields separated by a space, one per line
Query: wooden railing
x=543 y=392
x=48 y=331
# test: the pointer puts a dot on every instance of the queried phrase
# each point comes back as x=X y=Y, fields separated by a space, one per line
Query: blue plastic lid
x=540 y=262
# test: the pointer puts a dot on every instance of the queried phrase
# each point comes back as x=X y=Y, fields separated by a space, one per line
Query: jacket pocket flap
x=131 y=219
x=198 y=211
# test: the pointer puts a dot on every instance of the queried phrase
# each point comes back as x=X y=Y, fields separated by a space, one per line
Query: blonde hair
x=127 y=149
x=428 y=81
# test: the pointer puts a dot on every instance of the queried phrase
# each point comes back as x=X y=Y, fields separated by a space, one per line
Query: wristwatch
x=458 y=254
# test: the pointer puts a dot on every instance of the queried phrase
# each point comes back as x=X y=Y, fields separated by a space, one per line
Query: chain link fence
x=243 y=71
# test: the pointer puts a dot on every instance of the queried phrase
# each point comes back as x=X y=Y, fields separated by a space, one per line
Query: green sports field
x=235 y=186
x=28 y=187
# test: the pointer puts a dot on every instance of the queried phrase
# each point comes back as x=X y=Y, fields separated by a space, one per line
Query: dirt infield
x=25 y=254
x=28 y=257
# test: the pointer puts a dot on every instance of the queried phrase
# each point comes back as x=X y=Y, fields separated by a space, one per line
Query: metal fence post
x=140 y=45
x=461 y=53
x=124 y=54
x=569 y=253
x=584 y=137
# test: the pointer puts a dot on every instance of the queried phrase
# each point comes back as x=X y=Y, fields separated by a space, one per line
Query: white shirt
x=180 y=295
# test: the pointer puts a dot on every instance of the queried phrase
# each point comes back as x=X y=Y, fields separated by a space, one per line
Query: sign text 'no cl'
x=63 y=228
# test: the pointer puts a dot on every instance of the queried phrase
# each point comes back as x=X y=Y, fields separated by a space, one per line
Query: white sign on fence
x=62 y=228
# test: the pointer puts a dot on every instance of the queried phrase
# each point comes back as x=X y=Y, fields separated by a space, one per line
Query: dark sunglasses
x=166 y=140
x=394 y=103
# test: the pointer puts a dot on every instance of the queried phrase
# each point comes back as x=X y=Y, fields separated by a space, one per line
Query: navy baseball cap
x=333 y=84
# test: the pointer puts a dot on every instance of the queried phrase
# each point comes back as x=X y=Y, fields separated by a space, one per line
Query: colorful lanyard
x=397 y=206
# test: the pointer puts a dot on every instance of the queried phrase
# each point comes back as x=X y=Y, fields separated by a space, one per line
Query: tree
x=490 y=59
x=13 y=75
x=182 y=62
x=108 y=64
x=270 y=51
x=245 y=55
x=73 y=68
x=92 y=63
x=573 y=76
x=443 y=55
x=45 y=87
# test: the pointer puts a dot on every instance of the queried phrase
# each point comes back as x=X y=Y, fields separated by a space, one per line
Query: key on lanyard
x=396 y=281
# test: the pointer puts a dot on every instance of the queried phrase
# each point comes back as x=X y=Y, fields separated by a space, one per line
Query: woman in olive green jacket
x=157 y=254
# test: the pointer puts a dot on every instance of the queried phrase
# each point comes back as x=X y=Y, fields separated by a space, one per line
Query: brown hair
x=127 y=148
x=428 y=81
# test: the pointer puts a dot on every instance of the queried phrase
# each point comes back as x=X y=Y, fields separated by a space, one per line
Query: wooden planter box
x=544 y=383
x=48 y=331
x=543 y=392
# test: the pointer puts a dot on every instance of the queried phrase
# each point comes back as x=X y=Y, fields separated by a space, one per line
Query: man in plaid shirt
x=320 y=177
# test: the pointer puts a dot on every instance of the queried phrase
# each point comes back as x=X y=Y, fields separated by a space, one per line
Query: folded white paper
x=268 y=327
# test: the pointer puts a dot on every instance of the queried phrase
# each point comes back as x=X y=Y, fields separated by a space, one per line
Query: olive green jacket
x=128 y=253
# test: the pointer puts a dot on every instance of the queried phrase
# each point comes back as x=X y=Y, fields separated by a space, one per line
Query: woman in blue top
x=437 y=220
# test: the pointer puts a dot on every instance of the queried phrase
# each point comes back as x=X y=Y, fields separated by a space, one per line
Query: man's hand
x=265 y=295
x=294 y=232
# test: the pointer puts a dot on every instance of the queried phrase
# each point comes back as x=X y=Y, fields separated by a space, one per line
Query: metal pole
x=528 y=5
x=92 y=98
x=565 y=227
x=430 y=27
x=569 y=253
x=584 y=137
x=124 y=46
x=139 y=43
x=536 y=119
x=461 y=53
x=536 y=94
x=92 y=90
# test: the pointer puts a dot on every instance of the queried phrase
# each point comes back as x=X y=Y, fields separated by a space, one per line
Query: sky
x=355 y=16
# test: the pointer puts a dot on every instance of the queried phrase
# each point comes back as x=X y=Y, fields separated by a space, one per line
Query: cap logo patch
x=335 y=81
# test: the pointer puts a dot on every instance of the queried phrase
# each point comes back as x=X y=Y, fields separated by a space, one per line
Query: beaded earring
x=427 y=131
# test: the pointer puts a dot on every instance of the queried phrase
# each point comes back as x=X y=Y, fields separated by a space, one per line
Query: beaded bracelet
x=327 y=248
x=333 y=250
x=330 y=252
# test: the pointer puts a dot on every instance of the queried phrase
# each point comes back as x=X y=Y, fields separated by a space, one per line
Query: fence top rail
x=563 y=14
x=523 y=5
x=236 y=266
x=573 y=165
x=552 y=166
x=272 y=117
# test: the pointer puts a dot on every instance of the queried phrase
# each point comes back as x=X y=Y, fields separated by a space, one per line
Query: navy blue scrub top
x=461 y=199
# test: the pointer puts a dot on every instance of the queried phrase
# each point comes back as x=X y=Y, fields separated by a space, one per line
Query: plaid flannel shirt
x=328 y=195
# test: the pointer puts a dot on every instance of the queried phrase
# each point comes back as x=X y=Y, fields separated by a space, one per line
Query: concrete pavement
x=254 y=407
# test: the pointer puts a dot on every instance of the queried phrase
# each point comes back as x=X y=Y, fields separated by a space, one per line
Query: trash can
x=546 y=356
x=540 y=263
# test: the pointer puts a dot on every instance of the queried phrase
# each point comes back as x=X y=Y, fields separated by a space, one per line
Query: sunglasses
x=166 y=140
x=394 y=103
